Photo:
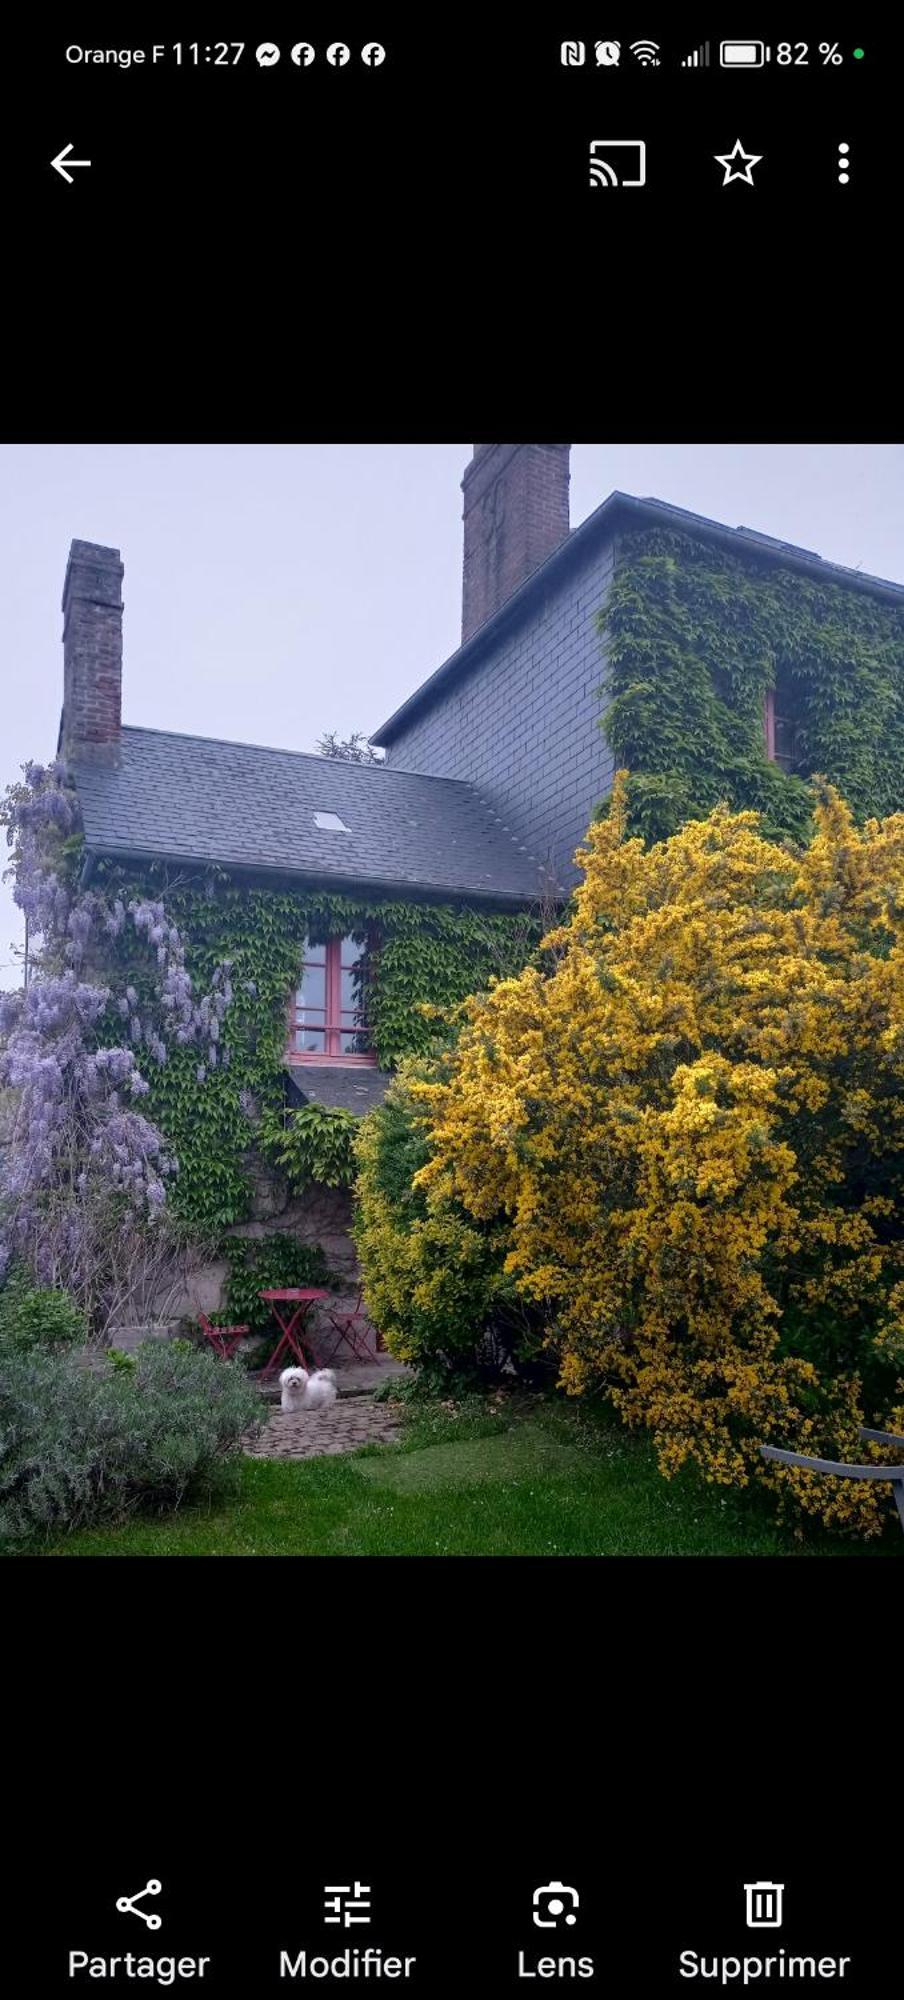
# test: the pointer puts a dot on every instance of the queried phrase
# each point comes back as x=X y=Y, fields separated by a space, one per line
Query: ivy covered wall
x=696 y=635
x=214 y=1117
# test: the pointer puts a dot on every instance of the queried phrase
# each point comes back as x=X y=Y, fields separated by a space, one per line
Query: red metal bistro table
x=293 y=1334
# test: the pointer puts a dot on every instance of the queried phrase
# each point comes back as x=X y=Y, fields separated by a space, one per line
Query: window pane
x=312 y=987
x=350 y=951
x=310 y=1041
x=311 y=1017
x=784 y=741
x=354 y=1042
x=352 y=989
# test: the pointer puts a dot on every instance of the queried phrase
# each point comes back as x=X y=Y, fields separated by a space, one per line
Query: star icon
x=738 y=164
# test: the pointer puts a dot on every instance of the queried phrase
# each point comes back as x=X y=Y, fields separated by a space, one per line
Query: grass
x=526 y=1477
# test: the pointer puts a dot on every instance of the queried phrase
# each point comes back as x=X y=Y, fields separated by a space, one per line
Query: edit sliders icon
x=627 y=168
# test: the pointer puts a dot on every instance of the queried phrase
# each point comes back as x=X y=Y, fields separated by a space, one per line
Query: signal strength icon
x=698 y=58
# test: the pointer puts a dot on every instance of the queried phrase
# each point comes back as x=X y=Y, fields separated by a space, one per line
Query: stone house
x=493 y=767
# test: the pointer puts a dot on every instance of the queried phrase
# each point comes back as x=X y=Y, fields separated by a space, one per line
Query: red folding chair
x=223 y=1339
x=352 y=1329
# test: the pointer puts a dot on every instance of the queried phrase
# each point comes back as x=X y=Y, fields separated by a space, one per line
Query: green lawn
x=539 y=1478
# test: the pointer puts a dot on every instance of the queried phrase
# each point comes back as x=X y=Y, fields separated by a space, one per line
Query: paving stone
x=344 y=1426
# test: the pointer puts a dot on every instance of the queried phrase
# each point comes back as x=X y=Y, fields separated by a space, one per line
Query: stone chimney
x=515 y=514
x=92 y=655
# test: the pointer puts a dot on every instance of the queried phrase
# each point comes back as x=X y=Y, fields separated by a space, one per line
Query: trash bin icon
x=764 y=1905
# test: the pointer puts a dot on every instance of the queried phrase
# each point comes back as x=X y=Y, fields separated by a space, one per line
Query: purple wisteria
x=109 y=990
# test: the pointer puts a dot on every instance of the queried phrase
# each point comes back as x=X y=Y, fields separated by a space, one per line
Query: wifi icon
x=646 y=53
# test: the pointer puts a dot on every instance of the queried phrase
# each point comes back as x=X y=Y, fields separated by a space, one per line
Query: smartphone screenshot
x=452 y=1001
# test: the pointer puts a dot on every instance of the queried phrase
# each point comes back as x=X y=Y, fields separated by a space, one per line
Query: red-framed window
x=327 y=1015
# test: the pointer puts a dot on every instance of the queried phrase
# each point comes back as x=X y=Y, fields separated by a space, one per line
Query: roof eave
x=353 y=885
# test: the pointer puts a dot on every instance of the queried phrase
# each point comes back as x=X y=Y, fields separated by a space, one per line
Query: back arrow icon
x=61 y=156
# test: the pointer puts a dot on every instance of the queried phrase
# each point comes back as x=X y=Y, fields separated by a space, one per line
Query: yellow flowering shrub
x=433 y=1279
x=689 y=1130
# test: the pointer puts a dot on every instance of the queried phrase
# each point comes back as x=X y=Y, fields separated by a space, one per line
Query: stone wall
x=321 y=1215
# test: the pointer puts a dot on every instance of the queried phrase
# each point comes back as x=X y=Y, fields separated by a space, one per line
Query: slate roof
x=354 y=1089
x=193 y=799
x=623 y=510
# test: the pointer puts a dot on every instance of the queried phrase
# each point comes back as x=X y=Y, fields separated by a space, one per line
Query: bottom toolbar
x=366 y=1930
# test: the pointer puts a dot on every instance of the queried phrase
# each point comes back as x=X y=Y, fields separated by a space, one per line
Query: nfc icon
x=573 y=54
x=627 y=169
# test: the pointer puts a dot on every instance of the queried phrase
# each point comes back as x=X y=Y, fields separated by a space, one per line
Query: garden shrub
x=37 y=1316
x=689 y=1135
x=266 y=1264
x=433 y=1277
x=77 y=1447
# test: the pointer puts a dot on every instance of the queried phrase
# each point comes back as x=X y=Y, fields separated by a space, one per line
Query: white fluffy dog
x=301 y=1391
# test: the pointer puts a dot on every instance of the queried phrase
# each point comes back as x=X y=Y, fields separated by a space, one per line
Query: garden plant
x=679 y=1137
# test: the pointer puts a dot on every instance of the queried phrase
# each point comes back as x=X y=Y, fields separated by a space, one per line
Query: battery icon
x=743 y=55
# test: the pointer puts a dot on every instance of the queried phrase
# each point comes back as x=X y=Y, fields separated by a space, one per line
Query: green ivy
x=695 y=636
x=428 y=953
x=273 y=1263
x=315 y=1143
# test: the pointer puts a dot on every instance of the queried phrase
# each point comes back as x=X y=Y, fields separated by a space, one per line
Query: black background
x=454 y=1734
x=262 y=252
x=470 y=121
x=465 y=1913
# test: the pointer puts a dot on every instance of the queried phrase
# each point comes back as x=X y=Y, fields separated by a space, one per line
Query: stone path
x=344 y=1426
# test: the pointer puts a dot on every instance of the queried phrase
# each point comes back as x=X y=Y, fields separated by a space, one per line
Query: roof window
x=330 y=823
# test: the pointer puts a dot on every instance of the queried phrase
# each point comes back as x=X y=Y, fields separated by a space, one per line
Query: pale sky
x=273 y=592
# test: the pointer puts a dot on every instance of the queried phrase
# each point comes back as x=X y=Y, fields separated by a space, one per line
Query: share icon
x=128 y=1905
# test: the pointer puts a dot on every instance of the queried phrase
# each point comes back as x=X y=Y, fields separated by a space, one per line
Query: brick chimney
x=92 y=655
x=515 y=514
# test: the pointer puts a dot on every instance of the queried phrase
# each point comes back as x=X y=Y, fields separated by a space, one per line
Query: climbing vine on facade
x=429 y=957
x=696 y=637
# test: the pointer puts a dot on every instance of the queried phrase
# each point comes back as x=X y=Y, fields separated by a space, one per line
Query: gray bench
x=893 y=1474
